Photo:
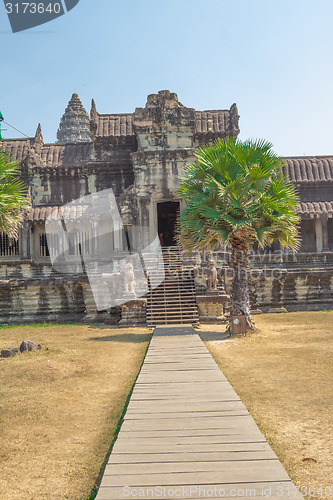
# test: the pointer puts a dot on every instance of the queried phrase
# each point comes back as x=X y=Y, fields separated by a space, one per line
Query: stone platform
x=186 y=433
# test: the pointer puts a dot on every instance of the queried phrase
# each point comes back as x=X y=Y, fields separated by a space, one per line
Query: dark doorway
x=167 y=213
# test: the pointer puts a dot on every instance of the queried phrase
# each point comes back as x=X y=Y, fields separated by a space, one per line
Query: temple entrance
x=167 y=213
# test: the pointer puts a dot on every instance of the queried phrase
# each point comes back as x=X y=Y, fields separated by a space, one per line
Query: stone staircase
x=173 y=301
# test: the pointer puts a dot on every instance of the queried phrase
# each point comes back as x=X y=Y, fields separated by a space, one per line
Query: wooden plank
x=179 y=433
x=244 y=421
x=227 y=469
x=198 y=477
x=135 y=415
x=166 y=406
x=210 y=456
x=259 y=490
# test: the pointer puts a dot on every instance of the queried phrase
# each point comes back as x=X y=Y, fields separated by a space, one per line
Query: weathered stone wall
x=295 y=282
x=31 y=293
x=35 y=293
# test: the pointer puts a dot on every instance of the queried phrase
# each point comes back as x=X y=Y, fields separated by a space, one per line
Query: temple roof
x=305 y=169
x=214 y=121
x=114 y=125
x=48 y=155
x=75 y=123
x=17 y=149
x=316 y=208
x=39 y=214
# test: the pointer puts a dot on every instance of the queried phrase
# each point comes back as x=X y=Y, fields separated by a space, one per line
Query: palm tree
x=237 y=195
x=13 y=196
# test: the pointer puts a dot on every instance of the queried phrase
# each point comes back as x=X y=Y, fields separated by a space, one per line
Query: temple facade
x=141 y=156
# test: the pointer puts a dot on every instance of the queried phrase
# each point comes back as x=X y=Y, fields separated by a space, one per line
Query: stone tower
x=75 y=123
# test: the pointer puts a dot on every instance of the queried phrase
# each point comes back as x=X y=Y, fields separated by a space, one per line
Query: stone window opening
x=330 y=234
x=8 y=247
x=79 y=243
x=127 y=238
x=43 y=246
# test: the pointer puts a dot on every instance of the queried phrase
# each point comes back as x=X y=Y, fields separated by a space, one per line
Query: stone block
x=8 y=352
x=133 y=313
x=211 y=307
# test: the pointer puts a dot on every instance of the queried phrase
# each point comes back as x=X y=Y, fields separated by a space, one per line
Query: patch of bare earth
x=60 y=406
x=283 y=372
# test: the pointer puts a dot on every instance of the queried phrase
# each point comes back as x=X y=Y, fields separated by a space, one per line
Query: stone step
x=192 y=321
x=172 y=290
x=177 y=282
x=189 y=307
x=170 y=293
x=172 y=311
x=174 y=304
x=177 y=314
x=165 y=316
x=169 y=289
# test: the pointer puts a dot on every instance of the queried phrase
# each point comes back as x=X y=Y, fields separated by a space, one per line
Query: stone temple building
x=141 y=156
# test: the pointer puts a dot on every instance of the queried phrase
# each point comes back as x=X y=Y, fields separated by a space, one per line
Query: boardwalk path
x=186 y=433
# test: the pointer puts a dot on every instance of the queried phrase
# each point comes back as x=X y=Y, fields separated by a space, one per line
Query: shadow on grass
x=125 y=337
x=119 y=337
x=212 y=336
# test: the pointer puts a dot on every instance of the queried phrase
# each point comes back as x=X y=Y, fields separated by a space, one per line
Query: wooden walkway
x=186 y=433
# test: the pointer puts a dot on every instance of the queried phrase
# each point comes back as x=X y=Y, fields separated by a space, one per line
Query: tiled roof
x=16 y=148
x=215 y=121
x=51 y=155
x=39 y=214
x=309 y=168
x=57 y=155
x=115 y=125
x=315 y=208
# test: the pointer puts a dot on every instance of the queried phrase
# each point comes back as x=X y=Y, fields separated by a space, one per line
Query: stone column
x=25 y=248
x=117 y=236
x=324 y=233
x=94 y=239
x=152 y=220
x=319 y=235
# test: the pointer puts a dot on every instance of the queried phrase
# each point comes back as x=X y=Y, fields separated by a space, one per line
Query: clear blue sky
x=274 y=58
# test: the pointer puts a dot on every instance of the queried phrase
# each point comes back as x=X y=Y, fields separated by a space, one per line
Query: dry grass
x=60 y=407
x=284 y=374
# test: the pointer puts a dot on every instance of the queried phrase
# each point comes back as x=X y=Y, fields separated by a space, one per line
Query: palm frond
x=237 y=188
x=13 y=196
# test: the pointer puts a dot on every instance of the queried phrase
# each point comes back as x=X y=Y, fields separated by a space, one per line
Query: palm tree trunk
x=240 y=296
